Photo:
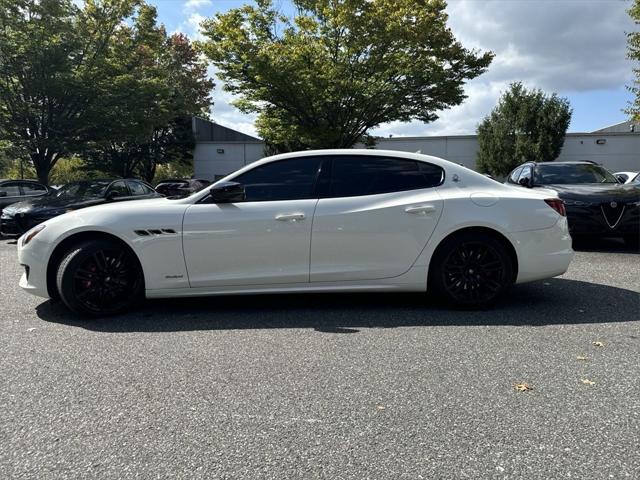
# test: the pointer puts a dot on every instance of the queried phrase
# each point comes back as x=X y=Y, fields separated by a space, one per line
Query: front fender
x=155 y=238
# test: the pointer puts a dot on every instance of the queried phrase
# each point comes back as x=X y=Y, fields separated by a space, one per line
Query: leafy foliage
x=52 y=62
x=339 y=68
x=71 y=169
x=172 y=170
x=526 y=125
x=103 y=80
x=634 y=55
x=161 y=82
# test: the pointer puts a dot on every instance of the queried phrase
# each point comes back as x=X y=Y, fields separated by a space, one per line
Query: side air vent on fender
x=150 y=232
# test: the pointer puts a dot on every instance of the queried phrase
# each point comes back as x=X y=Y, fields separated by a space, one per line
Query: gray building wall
x=220 y=150
x=615 y=151
x=214 y=160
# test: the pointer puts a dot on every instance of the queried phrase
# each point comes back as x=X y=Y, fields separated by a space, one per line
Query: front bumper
x=33 y=258
x=14 y=226
x=599 y=220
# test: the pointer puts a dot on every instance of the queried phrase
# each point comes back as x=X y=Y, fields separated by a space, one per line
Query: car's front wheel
x=471 y=270
x=98 y=278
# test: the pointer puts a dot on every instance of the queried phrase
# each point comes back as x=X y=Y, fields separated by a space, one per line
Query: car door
x=262 y=240
x=377 y=216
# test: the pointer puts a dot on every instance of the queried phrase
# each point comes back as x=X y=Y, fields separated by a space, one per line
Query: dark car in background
x=180 y=187
x=12 y=191
x=597 y=204
x=20 y=217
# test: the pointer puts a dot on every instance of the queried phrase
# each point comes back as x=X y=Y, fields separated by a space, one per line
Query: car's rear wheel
x=471 y=270
x=99 y=278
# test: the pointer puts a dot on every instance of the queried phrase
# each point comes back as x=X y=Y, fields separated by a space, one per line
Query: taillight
x=557 y=205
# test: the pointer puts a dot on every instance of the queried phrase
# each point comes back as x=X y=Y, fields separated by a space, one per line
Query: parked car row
x=27 y=203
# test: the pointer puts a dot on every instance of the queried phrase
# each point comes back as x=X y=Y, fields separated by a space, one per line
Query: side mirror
x=3 y=194
x=227 y=192
x=525 y=182
x=621 y=178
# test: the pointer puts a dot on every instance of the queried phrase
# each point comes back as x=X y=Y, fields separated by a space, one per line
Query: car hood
x=597 y=192
x=49 y=203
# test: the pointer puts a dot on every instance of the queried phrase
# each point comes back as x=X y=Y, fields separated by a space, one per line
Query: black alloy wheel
x=471 y=270
x=99 y=278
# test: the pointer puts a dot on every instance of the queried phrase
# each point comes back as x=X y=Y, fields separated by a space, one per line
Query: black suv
x=597 y=204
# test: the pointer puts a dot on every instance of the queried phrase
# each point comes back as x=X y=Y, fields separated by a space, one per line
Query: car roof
x=356 y=151
x=175 y=180
x=567 y=162
x=25 y=180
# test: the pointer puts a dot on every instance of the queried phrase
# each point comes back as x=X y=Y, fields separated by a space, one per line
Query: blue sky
x=573 y=47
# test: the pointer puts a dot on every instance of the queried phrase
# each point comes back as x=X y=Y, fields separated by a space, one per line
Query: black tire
x=632 y=241
x=471 y=270
x=98 y=278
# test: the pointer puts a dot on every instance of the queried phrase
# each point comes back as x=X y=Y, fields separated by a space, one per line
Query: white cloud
x=192 y=11
x=196 y=4
x=558 y=46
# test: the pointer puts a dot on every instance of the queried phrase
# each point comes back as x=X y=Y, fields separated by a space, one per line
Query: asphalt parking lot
x=329 y=386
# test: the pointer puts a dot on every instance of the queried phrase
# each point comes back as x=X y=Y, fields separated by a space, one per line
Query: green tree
x=52 y=69
x=526 y=125
x=339 y=67
x=161 y=83
x=634 y=55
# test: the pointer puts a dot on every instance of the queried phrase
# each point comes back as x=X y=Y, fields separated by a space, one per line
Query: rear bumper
x=543 y=253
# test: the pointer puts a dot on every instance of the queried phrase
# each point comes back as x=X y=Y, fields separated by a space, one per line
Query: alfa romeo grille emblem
x=614 y=204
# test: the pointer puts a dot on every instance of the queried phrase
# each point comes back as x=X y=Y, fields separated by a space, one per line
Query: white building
x=220 y=150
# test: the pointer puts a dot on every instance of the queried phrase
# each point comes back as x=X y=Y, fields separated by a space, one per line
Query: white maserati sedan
x=313 y=221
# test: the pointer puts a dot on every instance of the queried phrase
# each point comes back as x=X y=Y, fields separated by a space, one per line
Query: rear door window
x=138 y=189
x=358 y=175
x=118 y=189
x=31 y=189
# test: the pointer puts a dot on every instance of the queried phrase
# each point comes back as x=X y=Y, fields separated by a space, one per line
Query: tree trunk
x=42 y=163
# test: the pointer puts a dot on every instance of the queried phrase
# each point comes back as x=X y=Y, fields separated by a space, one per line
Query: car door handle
x=420 y=209
x=290 y=217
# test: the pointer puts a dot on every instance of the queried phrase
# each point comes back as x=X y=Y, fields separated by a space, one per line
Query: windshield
x=569 y=174
x=83 y=189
